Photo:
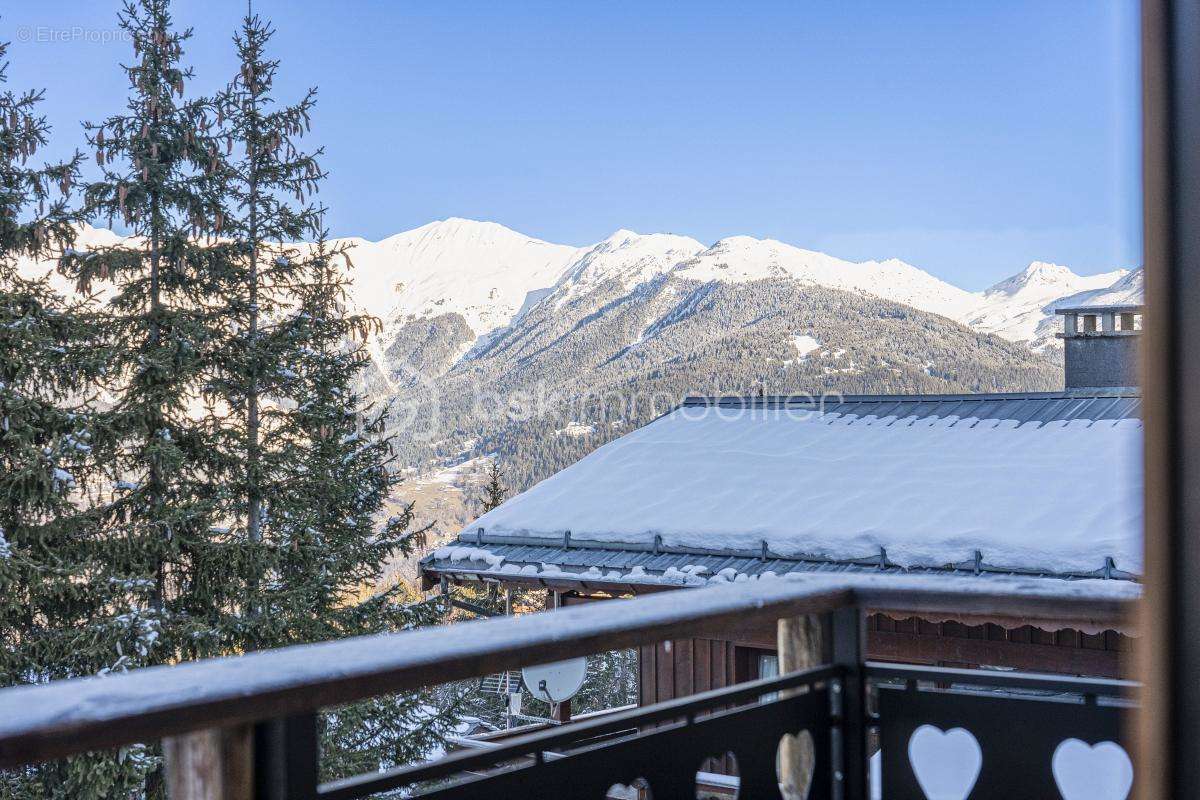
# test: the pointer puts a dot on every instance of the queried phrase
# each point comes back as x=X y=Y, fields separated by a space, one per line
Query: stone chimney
x=1100 y=345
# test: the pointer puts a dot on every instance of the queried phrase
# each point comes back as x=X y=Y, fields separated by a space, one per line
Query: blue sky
x=968 y=138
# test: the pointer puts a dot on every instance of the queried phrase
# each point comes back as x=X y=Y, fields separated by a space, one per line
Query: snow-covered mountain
x=626 y=257
x=744 y=258
x=481 y=270
x=1021 y=308
x=492 y=275
x=471 y=281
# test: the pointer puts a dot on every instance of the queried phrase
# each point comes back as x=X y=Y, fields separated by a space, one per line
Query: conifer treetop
x=161 y=165
x=41 y=193
x=276 y=181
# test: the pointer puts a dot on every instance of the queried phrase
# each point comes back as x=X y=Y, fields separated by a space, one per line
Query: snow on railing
x=199 y=708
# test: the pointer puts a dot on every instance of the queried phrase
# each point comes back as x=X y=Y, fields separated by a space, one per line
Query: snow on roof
x=1059 y=495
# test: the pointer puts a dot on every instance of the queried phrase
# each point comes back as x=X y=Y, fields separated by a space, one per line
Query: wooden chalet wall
x=952 y=644
x=686 y=666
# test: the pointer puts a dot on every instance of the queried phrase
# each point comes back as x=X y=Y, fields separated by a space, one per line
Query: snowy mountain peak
x=481 y=270
x=1039 y=276
x=627 y=257
x=1045 y=270
x=1021 y=308
x=619 y=238
x=739 y=241
x=458 y=229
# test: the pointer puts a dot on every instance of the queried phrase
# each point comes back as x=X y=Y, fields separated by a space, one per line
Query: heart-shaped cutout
x=1092 y=772
x=946 y=763
x=794 y=765
x=718 y=777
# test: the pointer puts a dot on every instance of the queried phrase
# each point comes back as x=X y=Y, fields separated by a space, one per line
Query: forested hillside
x=569 y=377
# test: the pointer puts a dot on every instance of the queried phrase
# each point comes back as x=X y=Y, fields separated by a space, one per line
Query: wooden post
x=213 y=764
x=802 y=644
x=561 y=712
x=1165 y=764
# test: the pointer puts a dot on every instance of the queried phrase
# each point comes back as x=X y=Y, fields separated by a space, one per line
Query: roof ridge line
x=828 y=398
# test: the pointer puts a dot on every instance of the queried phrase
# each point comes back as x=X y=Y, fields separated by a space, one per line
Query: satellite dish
x=557 y=682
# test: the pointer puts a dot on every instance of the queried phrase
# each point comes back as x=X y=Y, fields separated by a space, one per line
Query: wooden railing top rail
x=39 y=723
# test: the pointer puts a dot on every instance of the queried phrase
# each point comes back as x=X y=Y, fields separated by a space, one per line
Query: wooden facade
x=953 y=644
x=687 y=666
x=681 y=667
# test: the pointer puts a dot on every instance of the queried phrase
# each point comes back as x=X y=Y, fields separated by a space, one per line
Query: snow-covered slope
x=744 y=258
x=1021 y=308
x=481 y=270
x=628 y=258
x=1126 y=290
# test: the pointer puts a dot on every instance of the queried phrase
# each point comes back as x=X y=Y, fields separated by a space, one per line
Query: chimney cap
x=1128 y=308
x=1104 y=353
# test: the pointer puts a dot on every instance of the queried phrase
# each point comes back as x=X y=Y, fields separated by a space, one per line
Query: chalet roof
x=1031 y=484
x=1097 y=404
x=630 y=568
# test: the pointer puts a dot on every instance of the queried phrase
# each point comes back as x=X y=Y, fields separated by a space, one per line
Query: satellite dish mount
x=555 y=683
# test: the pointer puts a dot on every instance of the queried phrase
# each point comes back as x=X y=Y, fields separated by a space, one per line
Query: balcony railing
x=246 y=727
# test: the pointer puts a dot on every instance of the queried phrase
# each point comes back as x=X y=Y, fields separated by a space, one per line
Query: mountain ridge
x=492 y=276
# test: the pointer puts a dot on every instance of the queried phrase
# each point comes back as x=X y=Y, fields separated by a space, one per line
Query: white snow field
x=1057 y=496
x=805 y=344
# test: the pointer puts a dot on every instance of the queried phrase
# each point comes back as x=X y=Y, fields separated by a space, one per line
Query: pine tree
x=308 y=469
x=269 y=186
x=237 y=477
x=336 y=474
x=161 y=177
x=494 y=491
x=58 y=614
